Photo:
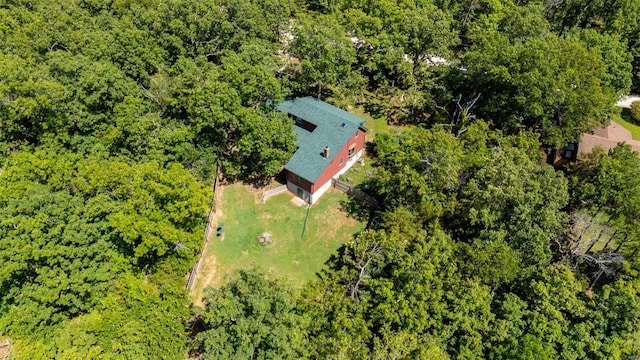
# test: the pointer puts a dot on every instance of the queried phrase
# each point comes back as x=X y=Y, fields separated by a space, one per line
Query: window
x=299 y=180
x=304 y=123
x=356 y=134
x=352 y=150
x=341 y=161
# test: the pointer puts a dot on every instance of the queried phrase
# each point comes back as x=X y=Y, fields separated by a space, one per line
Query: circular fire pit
x=265 y=238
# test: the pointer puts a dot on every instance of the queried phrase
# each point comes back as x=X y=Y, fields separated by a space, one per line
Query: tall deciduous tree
x=31 y=103
x=57 y=260
x=516 y=200
x=617 y=59
x=326 y=57
x=552 y=85
x=135 y=320
x=419 y=170
x=609 y=183
x=251 y=317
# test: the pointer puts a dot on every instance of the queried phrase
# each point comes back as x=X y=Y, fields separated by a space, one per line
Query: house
x=329 y=140
x=605 y=137
x=562 y=156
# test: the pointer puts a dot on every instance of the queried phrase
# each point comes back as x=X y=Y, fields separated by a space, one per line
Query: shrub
x=635 y=111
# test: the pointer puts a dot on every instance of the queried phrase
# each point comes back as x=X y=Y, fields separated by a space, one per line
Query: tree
x=251 y=317
x=429 y=33
x=635 y=111
x=71 y=226
x=252 y=72
x=609 y=183
x=419 y=170
x=160 y=212
x=58 y=261
x=408 y=287
x=536 y=84
x=514 y=199
x=550 y=317
x=326 y=57
x=617 y=59
x=31 y=103
x=248 y=142
x=136 y=319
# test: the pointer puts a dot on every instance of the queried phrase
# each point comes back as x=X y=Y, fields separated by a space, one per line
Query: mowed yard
x=291 y=253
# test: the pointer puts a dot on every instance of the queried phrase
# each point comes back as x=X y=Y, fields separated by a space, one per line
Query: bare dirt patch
x=219 y=193
x=206 y=272
x=297 y=201
x=5 y=348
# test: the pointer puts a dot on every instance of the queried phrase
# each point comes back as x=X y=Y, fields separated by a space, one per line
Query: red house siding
x=291 y=179
x=304 y=123
x=335 y=166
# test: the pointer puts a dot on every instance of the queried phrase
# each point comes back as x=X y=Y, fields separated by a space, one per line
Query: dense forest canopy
x=116 y=115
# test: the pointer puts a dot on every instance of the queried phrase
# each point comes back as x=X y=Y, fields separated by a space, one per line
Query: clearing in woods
x=285 y=251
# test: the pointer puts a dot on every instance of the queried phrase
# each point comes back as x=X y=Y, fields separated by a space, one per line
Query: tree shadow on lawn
x=628 y=117
x=257 y=181
x=358 y=210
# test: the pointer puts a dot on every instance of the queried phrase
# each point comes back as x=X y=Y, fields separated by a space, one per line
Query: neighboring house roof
x=607 y=138
x=334 y=127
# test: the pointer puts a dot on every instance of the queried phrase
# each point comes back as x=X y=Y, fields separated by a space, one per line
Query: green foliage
x=137 y=88
x=106 y=110
x=57 y=263
x=73 y=228
x=136 y=320
x=617 y=59
x=634 y=111
x=496 y=196
x=547 y=83
x=251 y=317
x=420 y=168
x=619 y=18
x=111 y=113
x=514 y=199
x=607 y=179
x=326 y=57
x=31 y=102
x=481 y=284
x=554 y=319
x=383 y=287
x=610 y=182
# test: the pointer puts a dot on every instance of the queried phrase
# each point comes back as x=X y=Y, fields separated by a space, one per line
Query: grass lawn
x=377 y=126
x=374 y=126
x=290 y=254
x=635 y=129
x=359 y=173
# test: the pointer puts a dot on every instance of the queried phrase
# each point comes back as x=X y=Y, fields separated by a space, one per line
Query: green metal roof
x=334 y=127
